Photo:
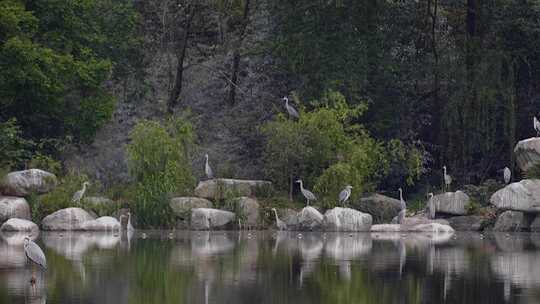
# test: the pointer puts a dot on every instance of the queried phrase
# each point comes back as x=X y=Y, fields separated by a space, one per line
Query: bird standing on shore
x=34 y=253
x=79 y=194
x=345 y=194
x=447 y=179
x=279 y=223
x=290 y=109
x=207 y=169
x=307 y=194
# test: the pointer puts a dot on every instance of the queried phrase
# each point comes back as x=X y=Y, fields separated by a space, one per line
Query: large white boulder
x=527 y=153
x=310 y=219
x=347 y=220
x=66 y=219
x=207 y=218
x=455 y=203
x=382 y=208
x=13 y=207
x=521 y=196
x=183 y=205
x=219 y=188
x=22 y=183
x=16 y=224
x=104 y=223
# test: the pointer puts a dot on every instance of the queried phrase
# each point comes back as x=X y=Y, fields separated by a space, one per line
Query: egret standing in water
x=79 y=194
x=307 y=194
x=345 y=194
x=129 y=227
x=536 y=125
x=507 y=175
x=431 y=206
x=35 y=255
x=447 y=179
x=403 y=205
x=290 y=109
x=207 y=169
x=279 y=223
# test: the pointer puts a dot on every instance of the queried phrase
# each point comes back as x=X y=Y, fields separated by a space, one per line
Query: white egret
x=207 y=169
x=279 y=223
x=447 y=179
x=290 y=109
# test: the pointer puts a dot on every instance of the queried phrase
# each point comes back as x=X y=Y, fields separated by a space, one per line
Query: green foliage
x=158 y=157
x=45 y=162
x=533 y=172
x=481 y=194
x=14 y=147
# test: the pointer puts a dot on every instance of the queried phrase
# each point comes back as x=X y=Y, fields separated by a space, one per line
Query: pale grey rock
x=26 y=182
x=527 y=153
x=13 y=207
x=183 y=205
x=207 y=218
x=382 y=208
x=455 y=203
x=511 y=221
x=521 y=196
x=104 y=223
x=66 y=219
x=310 y=219
x=346 y=220
x=16 y=224
x=219 y=188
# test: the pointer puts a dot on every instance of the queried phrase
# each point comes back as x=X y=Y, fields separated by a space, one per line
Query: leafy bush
x=158 y=158
x=45 y=162
x=14 y=148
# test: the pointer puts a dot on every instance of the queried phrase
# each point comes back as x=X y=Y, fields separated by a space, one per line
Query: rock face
x=467 y=223
x=309 y=219
x=13 y=207
x=522 y=196
x=455 y=203
x=527 y=153
x=22 y=183
x=346 y=220
x=182 y=205
x=104 y=223
x=66 y=219
x=207 y=218
x=382 y=208
x=16 y=224
x=511 y=221
x=250 y=210
x=220 y=187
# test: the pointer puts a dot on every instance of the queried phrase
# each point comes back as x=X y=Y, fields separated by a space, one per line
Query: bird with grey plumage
x=403 y=205
x=306 y=193
x=207 y=169
x=279 y=223
x=77 y=197
x=447 y=179
x=34 y=253
x=345 y=194
x=431 y=206
x=290 y=109
x=536 y=125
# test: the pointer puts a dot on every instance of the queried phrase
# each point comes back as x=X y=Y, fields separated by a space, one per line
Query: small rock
x=467 y=222
x=13 y=207
x=346 y=220
x=511 y=221
x=310 y=219
x=16 y=224
x=26 y=182
x=66 y=219
x=207 y=218
x=182 y=205
x=455 y=203
x=382 y=208
x=219 y=188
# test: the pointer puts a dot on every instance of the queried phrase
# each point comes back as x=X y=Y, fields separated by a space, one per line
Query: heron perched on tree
x=307 y=194
x=447 y=179
x=207 y=169
x=536 y=125
x=79 y=194
x=403 y=205
x=431 y=206
x=507 y=175
x=345 y=194
x=290 y=109
x=34 y=254
x=279 y=223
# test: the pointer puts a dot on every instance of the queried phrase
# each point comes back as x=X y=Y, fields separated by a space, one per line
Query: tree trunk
x=236 y=55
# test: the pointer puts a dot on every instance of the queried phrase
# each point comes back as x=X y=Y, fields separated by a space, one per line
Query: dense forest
x=388 y=91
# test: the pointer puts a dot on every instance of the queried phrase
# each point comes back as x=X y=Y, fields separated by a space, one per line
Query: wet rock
x=13 y=207
x=511 y=221
x=16 y=224
x=429 y=227
x=455 y=203
x=385 y=228
x=220 y=187
x=310 y=219
x=182 y=206
x=382 y=208
x=22 y=183
x=66 y=219
x=207 y=218
x=250 y=210
x=421 y=219
x=521 y=196
x=467 y=222
x=527 y=153
x=346 y=220
x=104 y=223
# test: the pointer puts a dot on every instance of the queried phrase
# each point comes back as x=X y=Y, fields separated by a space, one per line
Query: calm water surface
x=269 y=267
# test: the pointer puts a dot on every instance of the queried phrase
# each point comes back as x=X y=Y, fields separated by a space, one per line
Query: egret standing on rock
x=207 y=169
x=129 y=227
x=290 y=109
x=507 y=175
x=447 y=179
x=79 y=194
x=279 y=223
x=536 y=125
x=34 y=254
x=307 y=194
x=345 y=194
x=403 y=205
x=431 y=206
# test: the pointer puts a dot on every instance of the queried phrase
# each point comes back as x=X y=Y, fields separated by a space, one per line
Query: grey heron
x=290 y=109
x=447 y=179
x=307 y=194
x=403 y=205
x=79 y=194
x=129 y=227
x=34 y=253
x=507 y=175
x=279 y=223
x=207 y=169
x=536 y=125
x=345 y=194
x=431 y=206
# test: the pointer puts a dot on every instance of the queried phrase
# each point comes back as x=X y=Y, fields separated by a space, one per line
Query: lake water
x=270 y=267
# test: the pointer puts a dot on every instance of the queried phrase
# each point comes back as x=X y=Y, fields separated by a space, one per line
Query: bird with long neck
x=79 y=194
x=403 y=205
x=431 y=206
x=279 y=223
x=34 y=254
x=207 y=168
x=290 y=109
x=447 y=179
x=307 y=194
x=345 y=194
x=129 y=227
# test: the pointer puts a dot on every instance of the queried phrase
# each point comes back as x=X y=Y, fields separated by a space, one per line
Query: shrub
x=158 y=158
x=14 y=148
